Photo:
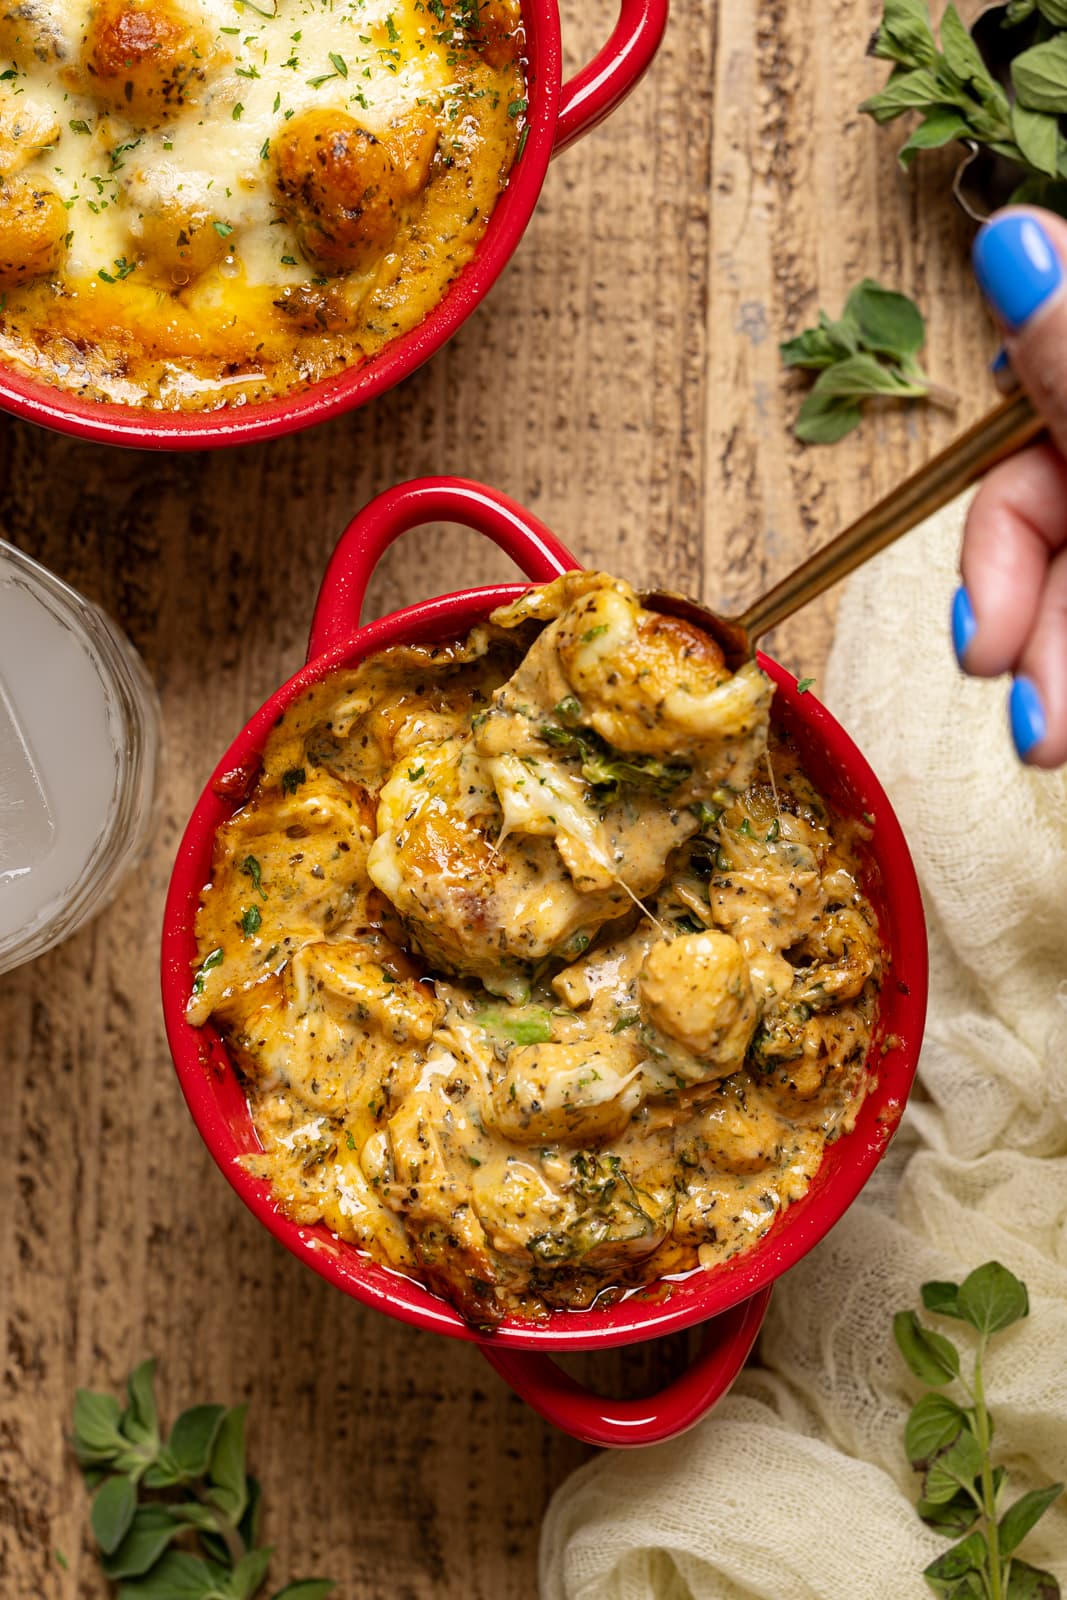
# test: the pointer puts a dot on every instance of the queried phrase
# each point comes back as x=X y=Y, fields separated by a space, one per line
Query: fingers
x=1011 y=613
x=1020 y=260
x=1038 y=701
x=1016 y=525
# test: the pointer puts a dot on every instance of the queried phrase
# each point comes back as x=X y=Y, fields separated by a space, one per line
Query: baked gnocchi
x=210 y=202
x=548 y=971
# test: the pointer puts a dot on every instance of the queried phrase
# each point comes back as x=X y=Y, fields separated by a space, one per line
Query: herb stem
x=989 y=1494
x=944 y=398
x=235 y=1545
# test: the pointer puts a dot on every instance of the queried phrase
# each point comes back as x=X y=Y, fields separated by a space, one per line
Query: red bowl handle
x=518 y=533
x=626 y=1424
x=595 y=91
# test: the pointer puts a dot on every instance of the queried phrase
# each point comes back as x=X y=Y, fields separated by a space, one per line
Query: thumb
x=1020 y=260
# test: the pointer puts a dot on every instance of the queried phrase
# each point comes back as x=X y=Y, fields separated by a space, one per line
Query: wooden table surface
x=623 y=381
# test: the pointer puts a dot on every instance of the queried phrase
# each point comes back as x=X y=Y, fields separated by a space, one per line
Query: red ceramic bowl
x=732 y=1298
x=557 y=114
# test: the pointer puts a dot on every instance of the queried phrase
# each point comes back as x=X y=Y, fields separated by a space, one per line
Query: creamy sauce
x=530 y=1049
x=266 y=194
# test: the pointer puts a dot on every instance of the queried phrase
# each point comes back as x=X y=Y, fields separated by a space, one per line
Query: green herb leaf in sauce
x=295 y=776
x=609 y=769
x=628 y=1019
x=951 y=1443
x=176 y=1515
x=250 y=922
x=251 y=869
x=528 y=1025
x=212 y=959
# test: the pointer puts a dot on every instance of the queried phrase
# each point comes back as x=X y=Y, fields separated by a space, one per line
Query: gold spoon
x=999 y=434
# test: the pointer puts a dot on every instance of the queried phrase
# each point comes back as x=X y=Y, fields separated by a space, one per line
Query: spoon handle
x=1000 y=433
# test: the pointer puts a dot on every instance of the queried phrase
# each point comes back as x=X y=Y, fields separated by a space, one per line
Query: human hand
x=1010 y=615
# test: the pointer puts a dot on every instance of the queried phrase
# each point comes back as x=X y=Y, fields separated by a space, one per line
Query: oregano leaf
x=933 y=1423
x=889 y=323
x=905 y=91
x=931 y=1356
x=112 y=1512
x=905 y=34
x=149 y=1534
x=824 y=421
x=1037 y=133
x=178 y=1576
x=1039 y=75
x=956 y=1468
x=964 y=59
x=140 y=1421
x=226 y=1473
x=939 y=127
x=248 y=1526
x=248 y=1575
x=96 y=1426
x=1030 y=1583
x=813 y=348
x=1019 y=1518
x=950 y=1517
x=192 y=1438
x=992 y=1298
x=970 y=1555
x=941 y=1297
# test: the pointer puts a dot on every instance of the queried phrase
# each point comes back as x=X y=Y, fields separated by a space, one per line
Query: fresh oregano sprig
x=149 y=1494
x=869 y=351
x=950 y=1444
x=949 y=84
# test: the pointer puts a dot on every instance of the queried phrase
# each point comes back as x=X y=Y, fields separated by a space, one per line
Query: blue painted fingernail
x=1028 y=724
x=964 y=626
x=1016 y=267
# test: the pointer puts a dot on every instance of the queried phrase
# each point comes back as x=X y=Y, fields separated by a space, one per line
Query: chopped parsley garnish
x=123 y=268
x=212 y=959
x=294 y=776
x=251 y=869
x=250 y=922
x=805 y=684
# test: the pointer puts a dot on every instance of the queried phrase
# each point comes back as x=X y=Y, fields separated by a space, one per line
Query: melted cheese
x=650 y=1095
x=185 y=277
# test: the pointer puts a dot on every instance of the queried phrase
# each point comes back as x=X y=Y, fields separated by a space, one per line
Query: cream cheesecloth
x=797 y=1486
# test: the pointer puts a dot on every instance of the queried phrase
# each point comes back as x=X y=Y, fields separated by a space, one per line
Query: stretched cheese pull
x=647 y=685
x=515 y=842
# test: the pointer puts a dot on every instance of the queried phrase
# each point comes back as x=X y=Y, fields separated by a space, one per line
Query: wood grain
x=623 y=381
